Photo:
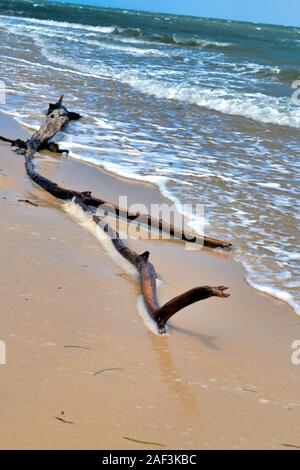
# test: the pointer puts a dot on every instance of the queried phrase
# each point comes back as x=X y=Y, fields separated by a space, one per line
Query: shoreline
x=166 y=197
x=65 y=290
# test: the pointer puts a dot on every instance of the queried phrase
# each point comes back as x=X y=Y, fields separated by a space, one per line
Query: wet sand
x=221 y=379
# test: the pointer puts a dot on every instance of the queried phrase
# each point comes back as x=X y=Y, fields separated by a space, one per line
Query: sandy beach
x=78 y=350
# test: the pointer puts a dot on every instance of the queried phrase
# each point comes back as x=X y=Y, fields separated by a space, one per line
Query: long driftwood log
x=57 y=117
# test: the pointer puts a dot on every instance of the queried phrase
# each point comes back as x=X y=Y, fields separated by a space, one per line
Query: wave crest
x=255 y=106
x=185 y=41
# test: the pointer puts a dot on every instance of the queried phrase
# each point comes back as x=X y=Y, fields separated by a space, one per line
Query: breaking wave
x=171 y=39
x=187 y=41
x=255 y=106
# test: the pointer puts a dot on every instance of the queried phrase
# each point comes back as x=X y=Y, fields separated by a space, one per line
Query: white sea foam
x=270 y=185
x=34 y=127
x=19 y=118
x=276 y=293
x=131 y=174
x=256 y=106
x=104 y=124
x=148 y=321
x=27 y=63
x=87 y=222
x=193 y=220
x=75 y=211
x=105 y=150
x=123 y=49
x=62 y=24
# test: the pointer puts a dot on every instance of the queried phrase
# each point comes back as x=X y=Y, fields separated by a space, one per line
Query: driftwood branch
x=57 y=117
x=148 y=278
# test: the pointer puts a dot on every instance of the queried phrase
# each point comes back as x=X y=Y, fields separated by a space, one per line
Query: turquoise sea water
x=200 y=107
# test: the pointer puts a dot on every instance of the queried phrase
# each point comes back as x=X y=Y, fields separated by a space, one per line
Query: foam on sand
x=276 y=294
x=85 y=221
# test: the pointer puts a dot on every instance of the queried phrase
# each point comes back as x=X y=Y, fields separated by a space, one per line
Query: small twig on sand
x=63 y=420
x=291 y=445
x=144 y=442
x=28 y=202
x=106 y=370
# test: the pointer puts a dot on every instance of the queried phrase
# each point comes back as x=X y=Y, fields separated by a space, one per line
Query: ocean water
x=200 y=107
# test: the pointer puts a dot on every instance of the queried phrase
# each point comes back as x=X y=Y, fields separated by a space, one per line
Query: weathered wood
x=57 y=117
x=47 y=132
x=20 y=144
x=148 y=278
x=53 y=147
x=59 y=105
x=144 y=219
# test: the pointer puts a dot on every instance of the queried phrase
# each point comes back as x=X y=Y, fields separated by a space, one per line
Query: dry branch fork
x=57 y=117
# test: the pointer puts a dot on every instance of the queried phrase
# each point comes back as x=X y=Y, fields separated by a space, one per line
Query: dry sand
x=221 y=379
